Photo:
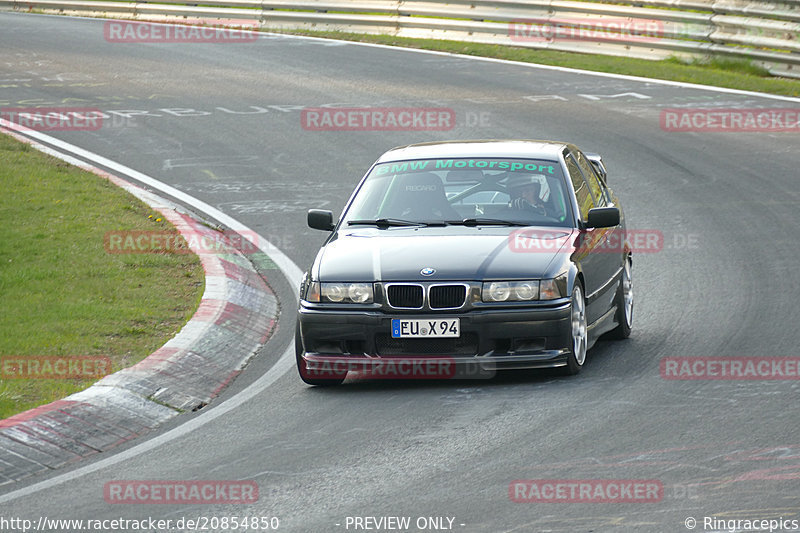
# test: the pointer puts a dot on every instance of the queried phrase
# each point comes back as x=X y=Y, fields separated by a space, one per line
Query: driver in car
x=524 y=192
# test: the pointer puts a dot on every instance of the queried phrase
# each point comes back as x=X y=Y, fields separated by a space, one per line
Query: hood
x=454 y=252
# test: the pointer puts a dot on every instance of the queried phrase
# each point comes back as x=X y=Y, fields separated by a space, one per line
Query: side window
x=598 y=192
x=581 y=189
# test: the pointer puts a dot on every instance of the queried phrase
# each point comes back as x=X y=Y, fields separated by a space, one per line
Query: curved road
x=222 y=123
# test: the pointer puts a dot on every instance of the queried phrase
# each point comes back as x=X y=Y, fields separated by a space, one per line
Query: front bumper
x=490 y=340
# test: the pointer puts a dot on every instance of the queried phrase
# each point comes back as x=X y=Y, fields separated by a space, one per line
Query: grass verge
x=719 y=72
x=61 y=294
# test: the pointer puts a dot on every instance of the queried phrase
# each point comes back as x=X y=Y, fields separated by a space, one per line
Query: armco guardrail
x=768 y=33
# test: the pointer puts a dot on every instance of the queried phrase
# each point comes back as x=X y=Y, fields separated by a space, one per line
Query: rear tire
x=624 y=303
x=307 y=375
x=578 y=336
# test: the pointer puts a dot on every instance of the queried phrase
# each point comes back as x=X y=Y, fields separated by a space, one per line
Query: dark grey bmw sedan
x=462 y=258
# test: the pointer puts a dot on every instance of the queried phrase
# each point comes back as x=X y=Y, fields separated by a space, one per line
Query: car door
x=598 y=260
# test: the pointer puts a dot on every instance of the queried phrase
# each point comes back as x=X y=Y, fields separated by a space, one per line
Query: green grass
x=716 y=71
x=61 y=294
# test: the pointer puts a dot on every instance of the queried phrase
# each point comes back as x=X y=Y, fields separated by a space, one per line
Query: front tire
x=307 y=375
x=578 y=335
x=624 y=303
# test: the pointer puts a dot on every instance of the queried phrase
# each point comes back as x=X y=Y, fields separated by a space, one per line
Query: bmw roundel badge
x=427 y=271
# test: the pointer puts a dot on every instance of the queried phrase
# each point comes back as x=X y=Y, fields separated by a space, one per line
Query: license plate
x=442 y=327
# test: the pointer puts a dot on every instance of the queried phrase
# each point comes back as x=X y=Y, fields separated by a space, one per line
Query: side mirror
x=603 y=217
x=599 y=166
x=320 y=219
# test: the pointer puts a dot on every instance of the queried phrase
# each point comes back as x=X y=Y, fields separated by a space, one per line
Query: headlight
x=526 y=290
x=496 y=291
x=510 y=291
x=358 y=293
x=334 y=292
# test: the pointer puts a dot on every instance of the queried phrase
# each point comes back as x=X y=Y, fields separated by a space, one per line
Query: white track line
x=671 y=83
x=284 y=364
x=286 y=265
x=681 y=84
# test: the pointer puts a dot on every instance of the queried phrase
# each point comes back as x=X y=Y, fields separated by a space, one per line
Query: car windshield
x=472 y=192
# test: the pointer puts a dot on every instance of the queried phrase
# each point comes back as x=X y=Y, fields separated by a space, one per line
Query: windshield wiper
x=391 y=222
x=485 y=222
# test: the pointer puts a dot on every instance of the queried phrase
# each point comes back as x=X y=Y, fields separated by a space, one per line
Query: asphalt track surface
x=724 y=284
